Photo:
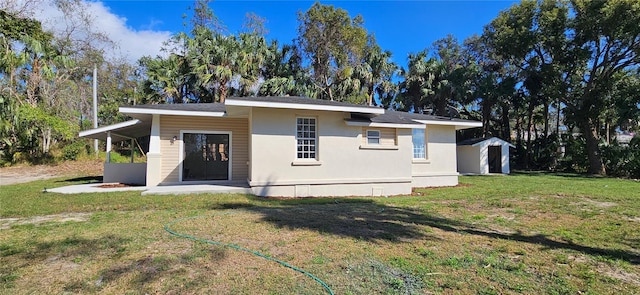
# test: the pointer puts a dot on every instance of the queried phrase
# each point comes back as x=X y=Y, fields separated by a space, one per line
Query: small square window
x=373 y=137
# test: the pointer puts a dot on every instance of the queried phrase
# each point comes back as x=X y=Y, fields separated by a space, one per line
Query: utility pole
x=95 y=104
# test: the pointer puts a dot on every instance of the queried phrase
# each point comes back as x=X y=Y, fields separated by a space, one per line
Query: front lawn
x=525 y=233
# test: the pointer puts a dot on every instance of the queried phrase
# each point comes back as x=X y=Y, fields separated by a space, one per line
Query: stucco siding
x=440 y=167
x=340 y=156
x=173 y=125
x=469 y=159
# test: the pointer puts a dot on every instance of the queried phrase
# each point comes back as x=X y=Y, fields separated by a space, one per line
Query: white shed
x=483 y=156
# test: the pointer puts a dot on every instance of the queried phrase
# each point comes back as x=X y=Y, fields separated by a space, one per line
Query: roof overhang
x=131 y=111
x=492 y=141
x=458 y=124
x=121 y=131
x=302 y=106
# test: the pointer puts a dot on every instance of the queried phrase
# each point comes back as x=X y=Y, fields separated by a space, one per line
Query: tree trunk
x=529 y=124
x=596 y=166
x=546 y=119
x=223 y=91
x=486 y=117
x=506 y=129
x=46 y=140
x=370 y=100
x=441 y=107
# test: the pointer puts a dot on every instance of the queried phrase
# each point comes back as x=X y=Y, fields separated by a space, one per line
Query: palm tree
x=376 y=72
x=219 y=60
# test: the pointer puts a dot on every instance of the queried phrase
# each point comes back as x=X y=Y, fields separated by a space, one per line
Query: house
x=483 y=156
x=289 y=146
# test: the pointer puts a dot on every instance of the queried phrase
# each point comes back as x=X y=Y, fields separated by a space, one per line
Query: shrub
x=73 y=150
x=623 y=161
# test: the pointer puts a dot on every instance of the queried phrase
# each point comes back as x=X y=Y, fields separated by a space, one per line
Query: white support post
x=108 y=146
x=95 y=105
x=132 y=149
x=154 y=157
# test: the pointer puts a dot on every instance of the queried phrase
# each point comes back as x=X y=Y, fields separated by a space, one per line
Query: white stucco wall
x=129 y=173
x=440 y=167
x=343 y=167
x=469 y=159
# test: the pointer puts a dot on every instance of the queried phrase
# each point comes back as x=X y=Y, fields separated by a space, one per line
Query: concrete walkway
x=231 y=188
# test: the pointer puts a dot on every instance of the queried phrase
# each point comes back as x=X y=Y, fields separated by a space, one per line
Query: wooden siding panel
x=388 y=136
x=171 y=126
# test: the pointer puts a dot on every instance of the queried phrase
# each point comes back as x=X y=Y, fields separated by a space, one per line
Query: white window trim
x=306 y=161
x=424 y=160
x=181 y=156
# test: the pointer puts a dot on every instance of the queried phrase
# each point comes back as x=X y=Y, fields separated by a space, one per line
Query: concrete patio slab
x=93 y=188
x=198 y=189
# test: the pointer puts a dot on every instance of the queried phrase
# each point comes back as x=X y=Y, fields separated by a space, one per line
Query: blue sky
x=399 y=26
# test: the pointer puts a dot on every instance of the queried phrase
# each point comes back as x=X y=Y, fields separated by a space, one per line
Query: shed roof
x=478 y=141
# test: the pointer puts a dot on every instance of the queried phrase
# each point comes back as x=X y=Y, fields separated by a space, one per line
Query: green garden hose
x=167 y=228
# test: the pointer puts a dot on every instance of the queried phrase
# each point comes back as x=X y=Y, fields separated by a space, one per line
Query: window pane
x=373 y=133
x=419 y=146
x=306 y=135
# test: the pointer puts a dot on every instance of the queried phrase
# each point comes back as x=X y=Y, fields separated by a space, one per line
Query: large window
x=206 y=156
x=419 y=144
x=307 y=142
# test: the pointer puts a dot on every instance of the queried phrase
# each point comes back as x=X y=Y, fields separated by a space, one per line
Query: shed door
x=495 y=159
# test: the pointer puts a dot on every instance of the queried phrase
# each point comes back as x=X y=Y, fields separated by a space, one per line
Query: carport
x=130 y=173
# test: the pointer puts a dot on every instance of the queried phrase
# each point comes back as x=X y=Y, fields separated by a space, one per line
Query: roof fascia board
x=502 y=142
x=127 y=110
x=301 y=106
x=457 y=124
x=385 y=125
x=109 y=128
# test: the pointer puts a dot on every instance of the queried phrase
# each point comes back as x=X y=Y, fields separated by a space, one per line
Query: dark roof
x=397 y=117
x=389 y=116
x=472 y=141
x=301 y=100
x=219 y=107
x=194 y=107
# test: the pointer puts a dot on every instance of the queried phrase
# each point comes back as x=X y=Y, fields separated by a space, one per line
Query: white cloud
x=130 y=43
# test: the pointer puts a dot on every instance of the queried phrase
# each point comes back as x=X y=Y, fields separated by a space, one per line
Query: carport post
x=132 y=149
x=108 y=146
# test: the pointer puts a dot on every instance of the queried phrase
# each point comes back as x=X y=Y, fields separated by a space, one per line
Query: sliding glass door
x=206 y=157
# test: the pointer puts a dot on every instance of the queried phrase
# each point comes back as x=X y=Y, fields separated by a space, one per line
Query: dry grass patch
x=498 y=235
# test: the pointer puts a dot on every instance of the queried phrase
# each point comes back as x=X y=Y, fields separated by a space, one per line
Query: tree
x=283 y=72
x=376 y=71
x=570 y=53
x=334 y=43
x=31 y=80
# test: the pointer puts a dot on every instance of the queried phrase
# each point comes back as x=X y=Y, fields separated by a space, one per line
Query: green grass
x=524 y=233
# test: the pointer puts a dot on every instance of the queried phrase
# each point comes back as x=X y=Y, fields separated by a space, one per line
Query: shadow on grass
x=366 y=220
x=85 y=179
x=65 y=248
x=559 y=174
